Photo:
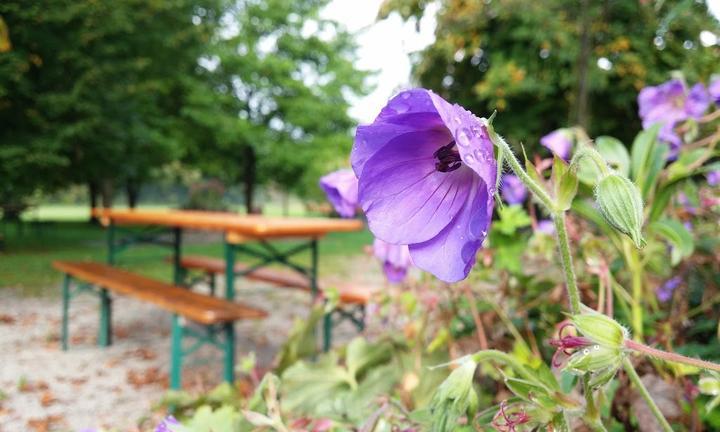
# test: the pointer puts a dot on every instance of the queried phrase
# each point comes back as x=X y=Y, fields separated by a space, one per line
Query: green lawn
x=27 y=255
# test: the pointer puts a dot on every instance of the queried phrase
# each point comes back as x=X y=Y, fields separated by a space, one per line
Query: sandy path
x=45 y=389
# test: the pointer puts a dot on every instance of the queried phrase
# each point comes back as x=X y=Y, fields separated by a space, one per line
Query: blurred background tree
x=271 y=107
x=562 y=62
x=103 y=93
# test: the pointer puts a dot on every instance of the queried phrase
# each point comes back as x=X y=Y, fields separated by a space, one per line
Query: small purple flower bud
x=713 y=177
x=559 y=142
x=341 y=188
x=513 y=190
x=166 y=423
x=546 y=226
x=665 y=291
x=395 y=259
x=714 y=90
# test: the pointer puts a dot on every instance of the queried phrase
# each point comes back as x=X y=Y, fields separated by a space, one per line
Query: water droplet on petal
x=463 y=137
x=596 y=347
x=406 y=95
x=586 y=351
x=457 y=120
x=401 y=108
x=469 y=159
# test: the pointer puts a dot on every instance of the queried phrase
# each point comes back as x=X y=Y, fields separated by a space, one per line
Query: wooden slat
x=197 y=307
x=349 y=294
x=250 y=226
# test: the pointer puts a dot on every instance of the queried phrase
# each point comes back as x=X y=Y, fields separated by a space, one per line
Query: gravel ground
x=43 y=388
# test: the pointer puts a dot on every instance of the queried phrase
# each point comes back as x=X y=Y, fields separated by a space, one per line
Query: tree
x=91 y=92
x=550 y=64
x=272 y=105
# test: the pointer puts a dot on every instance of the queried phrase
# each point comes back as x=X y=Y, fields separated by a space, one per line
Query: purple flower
x=546 y=226
x=684 y=201
x=341 y=188
x=559 y=142
x=665 y=291
x=165 y=425
x=513 y=190
x=668 y=104
x=427 y=178
x=395 y=258
x=714 y=90
x=713 y=177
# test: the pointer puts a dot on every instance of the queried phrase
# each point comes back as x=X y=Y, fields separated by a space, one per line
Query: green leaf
x=647 y=160
x=512 y=218
x=614 y=153
x=679 y=237
x=565 y=181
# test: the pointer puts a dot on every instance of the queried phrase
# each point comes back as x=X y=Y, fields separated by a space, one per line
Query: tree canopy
x=550 y=64
x=102 y=93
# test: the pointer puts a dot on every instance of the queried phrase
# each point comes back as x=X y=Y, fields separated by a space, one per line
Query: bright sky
x=385 y=47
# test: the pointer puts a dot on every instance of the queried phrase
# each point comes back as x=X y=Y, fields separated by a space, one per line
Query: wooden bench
x=215 y=315
x=352 y=298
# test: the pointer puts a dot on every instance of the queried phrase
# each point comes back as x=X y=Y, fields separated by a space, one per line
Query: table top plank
x=254 y=226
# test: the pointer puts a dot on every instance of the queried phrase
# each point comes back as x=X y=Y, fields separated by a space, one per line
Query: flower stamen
x=505 y=421
x=448 y=158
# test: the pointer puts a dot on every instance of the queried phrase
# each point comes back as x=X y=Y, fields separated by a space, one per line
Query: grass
x=25 y=263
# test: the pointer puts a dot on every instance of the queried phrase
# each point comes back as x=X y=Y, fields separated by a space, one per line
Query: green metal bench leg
x=176 y=353
x=327 y=331
x=212 y=282
x=229 y=374
x=65 y=310
x=105 y=336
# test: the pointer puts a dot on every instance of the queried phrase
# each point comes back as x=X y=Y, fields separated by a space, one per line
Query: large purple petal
x=451 y=254
x=471 y=137
x=409 y=111
x=405 y=199
x=559 y=142
x=662 y=103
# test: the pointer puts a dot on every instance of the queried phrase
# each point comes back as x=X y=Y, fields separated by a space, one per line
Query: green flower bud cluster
x=603 y=356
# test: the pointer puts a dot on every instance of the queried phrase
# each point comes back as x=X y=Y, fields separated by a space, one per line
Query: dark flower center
x=448 y=158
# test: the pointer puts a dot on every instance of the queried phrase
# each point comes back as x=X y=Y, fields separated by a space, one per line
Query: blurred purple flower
x=684 y=201
x=341 y=188
x=714 y=90
x=165 y=425
x=427 y=178
x=668 y=104
x=559 y=142
x=688 y=226
x=513 y=190
x=665 y=291
x=546 y=226
x=713 y=177
x=395 y=259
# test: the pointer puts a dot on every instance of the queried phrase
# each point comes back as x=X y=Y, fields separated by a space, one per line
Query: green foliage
x=537 y=62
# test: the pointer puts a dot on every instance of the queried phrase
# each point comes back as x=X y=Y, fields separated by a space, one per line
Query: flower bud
x=600 y=328
x=592 y=359
x=621 y=204
x=456 y=397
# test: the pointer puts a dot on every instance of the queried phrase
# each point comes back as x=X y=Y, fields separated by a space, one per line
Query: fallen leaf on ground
x=146 y=377
x=45 y=424
x=665 y=395
x=47 y=399
x=7 y=319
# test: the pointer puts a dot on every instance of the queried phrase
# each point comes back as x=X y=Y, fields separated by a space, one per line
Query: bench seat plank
x=349 y=294
x=197 y=307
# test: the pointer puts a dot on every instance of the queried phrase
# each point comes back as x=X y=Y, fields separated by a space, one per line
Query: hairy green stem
x=537 y=190
x=506 y=358
x=671 y=356
x=630 y=370
x=563 y=246
x=566 y=261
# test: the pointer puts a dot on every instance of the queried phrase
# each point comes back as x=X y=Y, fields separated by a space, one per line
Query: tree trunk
x=132 y=189
x=106 y=193
x=580 y=115
x=249 y=174
x=93 y=194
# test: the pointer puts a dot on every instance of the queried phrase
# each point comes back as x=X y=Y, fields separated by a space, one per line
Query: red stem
x=670 y=356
